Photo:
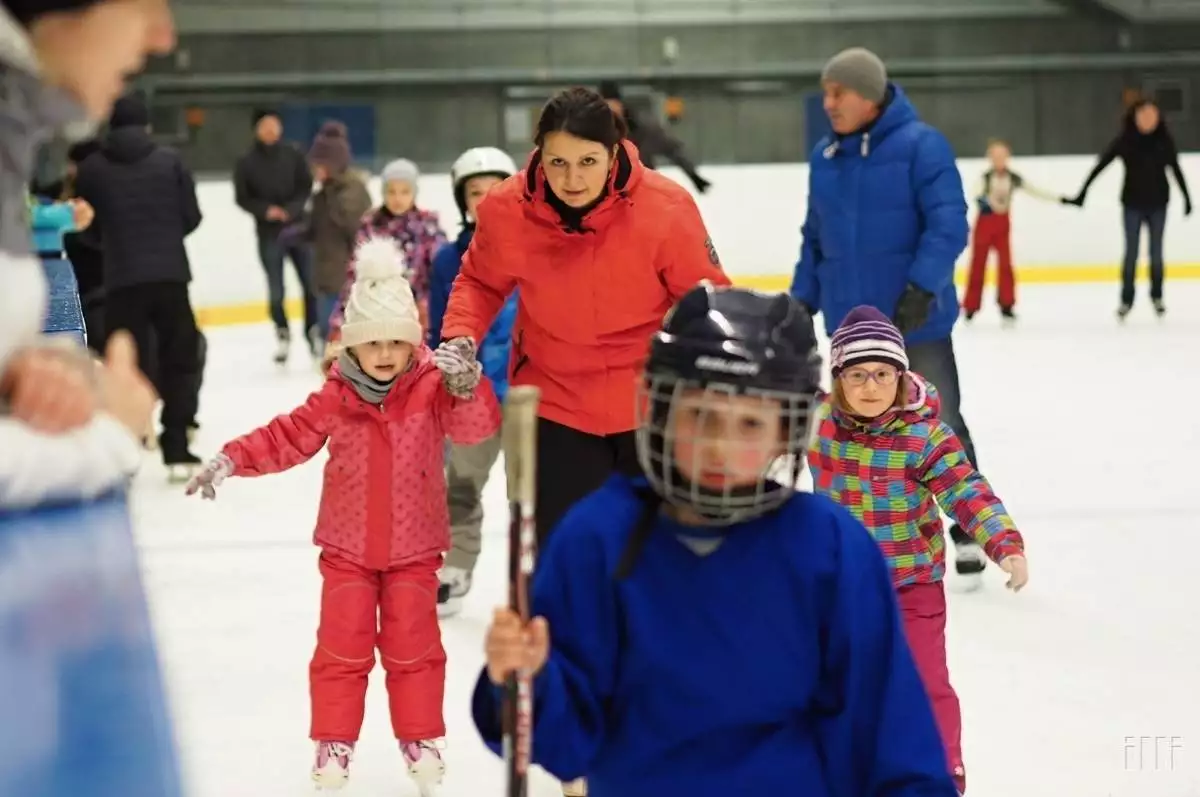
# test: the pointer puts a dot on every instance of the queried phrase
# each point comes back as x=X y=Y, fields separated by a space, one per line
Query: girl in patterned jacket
x=383 y=525
x=881 y=452
x=418 y=232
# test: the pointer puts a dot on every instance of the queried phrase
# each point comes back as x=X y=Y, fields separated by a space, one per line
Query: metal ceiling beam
x=793 y=70
x=1106 y=10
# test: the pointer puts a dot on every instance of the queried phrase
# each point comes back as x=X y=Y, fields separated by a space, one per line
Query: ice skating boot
x=969 y=314
x=1007 y=317
x=425 y=764
x=969 y=561
x=331 y=769
x=576 y=788
x=1160 y=309
x=316 y=343
x=283 y=345
x=455 y=584
x=1123 y=311
x=181 y=464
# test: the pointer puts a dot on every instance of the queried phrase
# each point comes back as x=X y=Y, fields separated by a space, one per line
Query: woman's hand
x=49 y=391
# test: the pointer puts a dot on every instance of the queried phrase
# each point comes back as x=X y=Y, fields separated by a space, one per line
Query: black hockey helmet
x=717 y=343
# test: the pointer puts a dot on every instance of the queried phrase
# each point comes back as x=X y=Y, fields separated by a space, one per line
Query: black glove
x=912 y=311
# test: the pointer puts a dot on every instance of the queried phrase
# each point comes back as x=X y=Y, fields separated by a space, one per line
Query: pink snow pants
x=923 y=607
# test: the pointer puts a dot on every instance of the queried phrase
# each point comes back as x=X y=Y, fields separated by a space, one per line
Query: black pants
x=1155 y=220
x=571 y=464
x=159 y=316
x=935 y=361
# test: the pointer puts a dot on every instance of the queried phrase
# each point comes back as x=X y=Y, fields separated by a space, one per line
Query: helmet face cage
x=663 y=397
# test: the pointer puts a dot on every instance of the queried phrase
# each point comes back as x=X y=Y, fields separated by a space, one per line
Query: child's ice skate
x=576 y=788
x=1160 y=309
x=455 y=584
x=1007 y=317
x=331 y=769
x=969 y=563
x=425 y=764
x=283 y=345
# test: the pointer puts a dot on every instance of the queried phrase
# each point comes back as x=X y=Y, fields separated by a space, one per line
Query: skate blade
x=181 y=474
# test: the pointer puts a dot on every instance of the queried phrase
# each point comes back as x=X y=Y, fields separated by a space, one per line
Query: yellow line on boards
x=256 y=312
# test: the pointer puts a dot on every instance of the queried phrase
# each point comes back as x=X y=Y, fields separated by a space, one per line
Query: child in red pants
x=993 y=230
x=881 y=452
x=383 y=522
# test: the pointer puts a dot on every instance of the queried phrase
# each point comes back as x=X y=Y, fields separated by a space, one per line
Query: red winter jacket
x=383 y=500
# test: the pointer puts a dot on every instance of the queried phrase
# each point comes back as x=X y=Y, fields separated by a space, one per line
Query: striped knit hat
x=867 y=335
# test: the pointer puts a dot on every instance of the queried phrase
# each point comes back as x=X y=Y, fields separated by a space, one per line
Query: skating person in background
x=600 y=248
x=333 y=219
x=473 y=174
x=273 y=184
x=145 y=201
x=666 y=661
x=382 y=524
x=882 y=414
x=651 y=138
x=1148 y=150
x=870 y=238
x=418 y=232
x=993 y=230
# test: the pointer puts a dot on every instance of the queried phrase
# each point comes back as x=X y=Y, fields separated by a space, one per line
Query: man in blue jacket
x=887 y=219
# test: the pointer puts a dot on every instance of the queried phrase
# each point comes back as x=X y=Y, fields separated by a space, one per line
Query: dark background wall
x=433 y=77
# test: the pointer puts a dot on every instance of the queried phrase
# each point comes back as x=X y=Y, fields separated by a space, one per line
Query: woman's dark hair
x=584 y=114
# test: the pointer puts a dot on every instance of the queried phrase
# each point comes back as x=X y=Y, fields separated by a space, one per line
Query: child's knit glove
x=461 y=372
x=207 y=480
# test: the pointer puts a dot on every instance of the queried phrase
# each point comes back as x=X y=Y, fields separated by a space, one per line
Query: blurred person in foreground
x=64 y=63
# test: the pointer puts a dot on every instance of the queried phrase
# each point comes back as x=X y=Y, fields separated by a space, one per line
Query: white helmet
x=475 y=163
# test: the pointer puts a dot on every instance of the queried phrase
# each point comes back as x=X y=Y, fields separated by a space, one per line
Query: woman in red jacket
x=600 y=248
x=383 y=524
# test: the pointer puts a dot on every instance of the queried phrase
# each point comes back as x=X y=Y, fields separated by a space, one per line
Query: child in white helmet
x=476 y=172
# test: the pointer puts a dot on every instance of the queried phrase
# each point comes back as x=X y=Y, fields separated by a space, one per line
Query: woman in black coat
x=1148 y=150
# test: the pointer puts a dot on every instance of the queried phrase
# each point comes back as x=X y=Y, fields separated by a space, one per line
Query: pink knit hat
x=331 y=148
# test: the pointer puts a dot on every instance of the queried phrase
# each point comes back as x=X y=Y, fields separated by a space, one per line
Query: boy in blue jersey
x=475 y=173
x=706 y=630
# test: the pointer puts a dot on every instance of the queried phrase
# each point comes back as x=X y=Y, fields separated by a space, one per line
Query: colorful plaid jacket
x=893 y=472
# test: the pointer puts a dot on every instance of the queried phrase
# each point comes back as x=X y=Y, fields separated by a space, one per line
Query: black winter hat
x=609 y=90
x=129 y=111
x=25 y=11
x=263 y=113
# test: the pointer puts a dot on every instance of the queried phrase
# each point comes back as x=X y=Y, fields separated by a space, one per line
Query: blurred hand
x=276 y=213
x=124 y=389
x=512 y=646
x=1018 y=570
x=48 y=390
x=85 y=214
x=209 y=479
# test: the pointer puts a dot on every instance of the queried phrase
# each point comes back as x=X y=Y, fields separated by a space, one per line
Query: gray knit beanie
x=859 y=70
x=403 y=170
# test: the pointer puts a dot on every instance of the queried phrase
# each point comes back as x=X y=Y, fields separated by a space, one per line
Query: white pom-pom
x=379 y=258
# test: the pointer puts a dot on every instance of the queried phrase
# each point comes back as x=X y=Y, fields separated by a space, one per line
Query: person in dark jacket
x=887 y=219
x=273 y=184
x=145 y=202
x=651 y=138
x=1148 y=150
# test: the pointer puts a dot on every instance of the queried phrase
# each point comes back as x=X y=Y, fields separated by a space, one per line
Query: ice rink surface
x=1085 y=685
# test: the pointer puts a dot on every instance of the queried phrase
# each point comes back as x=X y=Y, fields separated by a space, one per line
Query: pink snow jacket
x=383 y=499
x=419 y=233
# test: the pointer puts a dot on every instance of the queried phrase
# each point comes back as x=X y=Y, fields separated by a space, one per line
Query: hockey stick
x=520 y=460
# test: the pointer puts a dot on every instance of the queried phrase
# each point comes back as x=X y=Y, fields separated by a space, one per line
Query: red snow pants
x=992 y=231
x=396 y=612
x=923 y=608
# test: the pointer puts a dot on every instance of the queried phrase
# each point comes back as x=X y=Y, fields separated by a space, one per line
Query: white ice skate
x=331 y=769
x=969 y=563
x=425 y=764
x=455 y=584
x=283 y=346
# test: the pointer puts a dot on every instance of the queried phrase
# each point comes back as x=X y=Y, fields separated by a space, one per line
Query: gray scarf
x=368 y=389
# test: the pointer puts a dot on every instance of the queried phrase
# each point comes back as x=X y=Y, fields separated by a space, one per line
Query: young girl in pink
x=384 y=411
x=881 y=452
x=418 y=232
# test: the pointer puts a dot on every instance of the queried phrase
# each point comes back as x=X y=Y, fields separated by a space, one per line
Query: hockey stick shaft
x=520 y=458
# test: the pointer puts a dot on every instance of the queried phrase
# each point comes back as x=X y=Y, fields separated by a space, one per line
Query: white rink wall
x=754 y=215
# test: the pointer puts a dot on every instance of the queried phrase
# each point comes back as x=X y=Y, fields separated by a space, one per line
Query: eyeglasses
x=857 y=377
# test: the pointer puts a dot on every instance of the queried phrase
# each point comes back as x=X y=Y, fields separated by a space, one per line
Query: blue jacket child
x=496 y=347
x=886 y=210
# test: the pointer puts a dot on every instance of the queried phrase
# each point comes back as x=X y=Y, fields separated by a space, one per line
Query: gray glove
x=461 y=372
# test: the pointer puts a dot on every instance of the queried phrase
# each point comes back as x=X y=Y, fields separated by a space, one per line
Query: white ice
x=1085 y=685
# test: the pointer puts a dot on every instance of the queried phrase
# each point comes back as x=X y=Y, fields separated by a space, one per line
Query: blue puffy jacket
x=885 y=208
x=496 y=347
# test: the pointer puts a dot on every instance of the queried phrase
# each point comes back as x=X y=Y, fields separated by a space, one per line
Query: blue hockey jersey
x=495 y=349
x=774 y=664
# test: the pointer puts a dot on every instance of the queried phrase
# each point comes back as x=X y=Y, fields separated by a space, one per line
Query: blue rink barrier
x=64 y=315
x=83 y=711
